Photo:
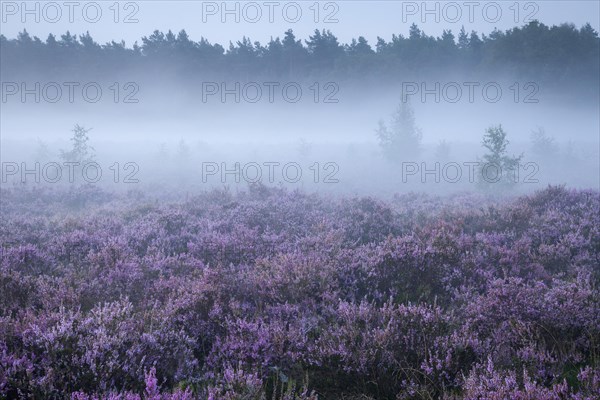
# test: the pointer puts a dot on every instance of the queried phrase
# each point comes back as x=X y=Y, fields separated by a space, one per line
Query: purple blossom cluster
x=277 y=294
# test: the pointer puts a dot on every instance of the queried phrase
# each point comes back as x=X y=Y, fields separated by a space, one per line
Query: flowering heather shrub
x=485 y=381
x=273 y=294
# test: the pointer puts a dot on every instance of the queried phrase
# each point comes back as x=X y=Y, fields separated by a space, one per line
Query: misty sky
x=347 y=19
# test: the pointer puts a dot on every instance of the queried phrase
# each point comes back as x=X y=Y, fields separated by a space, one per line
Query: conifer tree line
x=546 y=52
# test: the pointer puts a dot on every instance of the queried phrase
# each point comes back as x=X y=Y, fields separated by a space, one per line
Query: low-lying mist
x=326 y=141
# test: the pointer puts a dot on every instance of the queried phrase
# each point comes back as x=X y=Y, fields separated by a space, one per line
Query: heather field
x=300 y=200
x=280 y=294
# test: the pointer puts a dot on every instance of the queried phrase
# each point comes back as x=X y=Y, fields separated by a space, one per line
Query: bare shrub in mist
x=498 y=169
x=543 y=146
x=442 y=151
x=42 y=151
x=304 y=148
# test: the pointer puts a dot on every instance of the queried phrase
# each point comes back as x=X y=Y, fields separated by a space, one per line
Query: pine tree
x=403 y=138
x=81 y=151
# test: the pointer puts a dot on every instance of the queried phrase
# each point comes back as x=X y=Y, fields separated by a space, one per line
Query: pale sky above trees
x=200 y=18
